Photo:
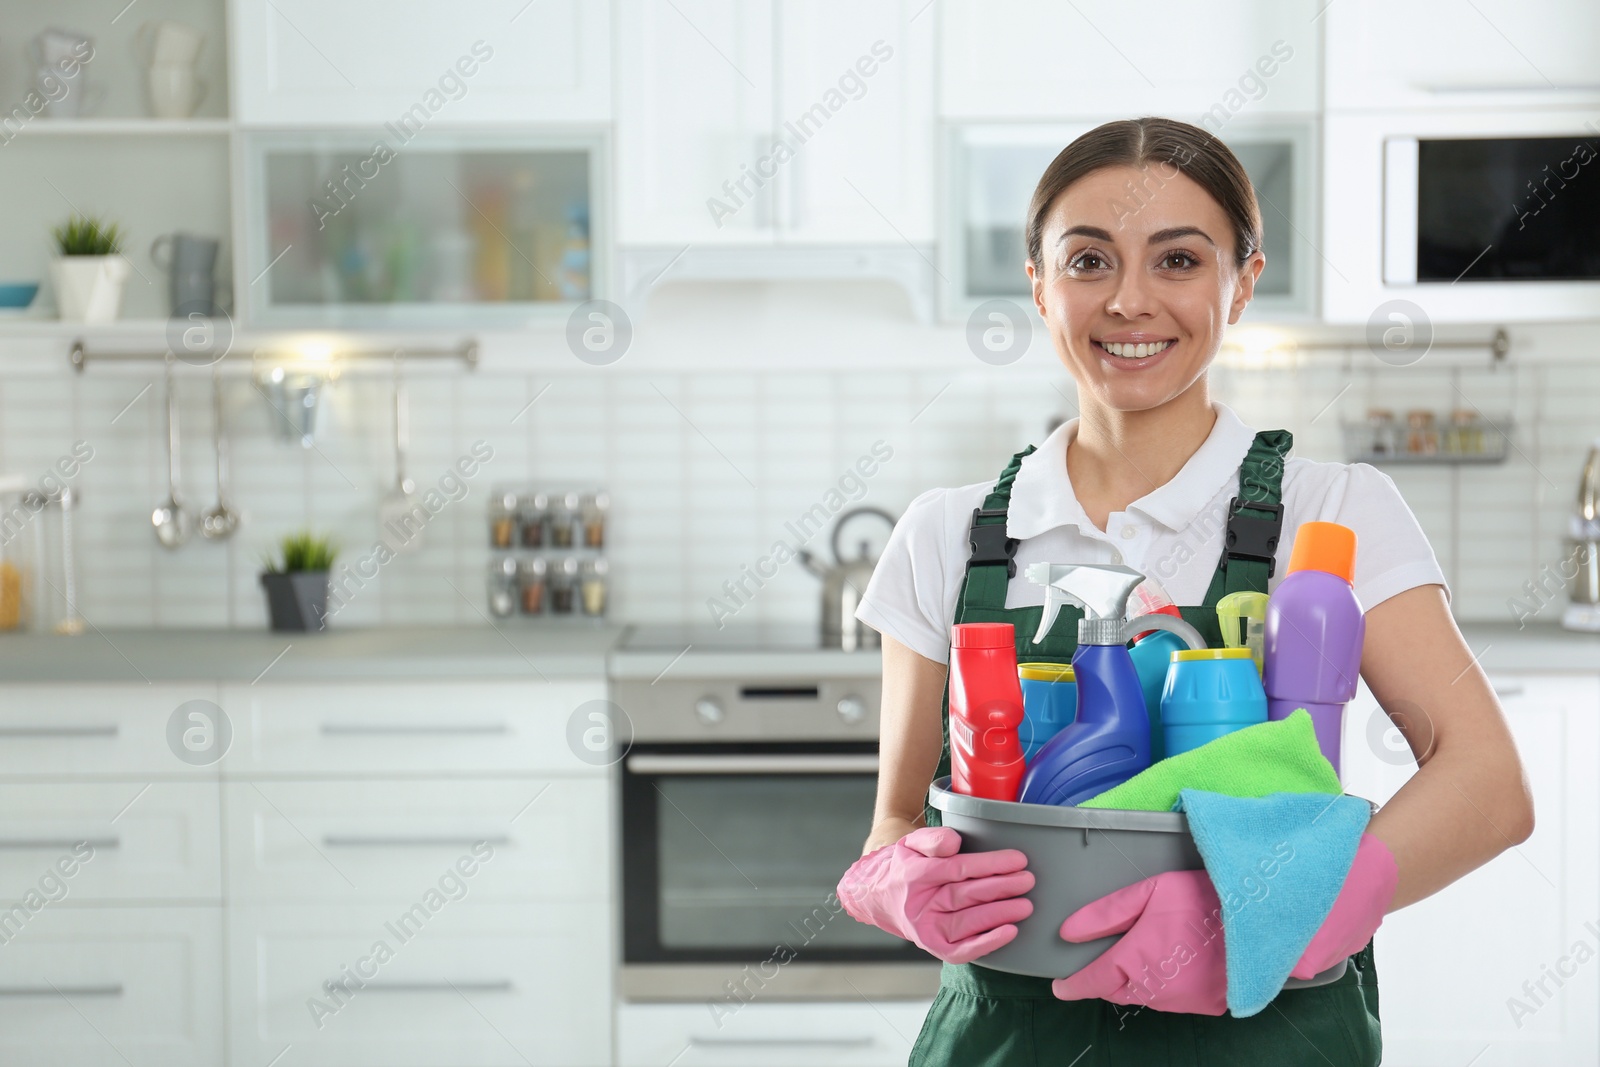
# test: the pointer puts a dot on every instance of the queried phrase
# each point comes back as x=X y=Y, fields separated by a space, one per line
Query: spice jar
x=594 y=586
x=563 y=587
x=561 y=518
x=594 y=509
x=531 y=518
x=503 y=587
x=1422 y=436
x=503 y=520
x=1465 y=436
x=1381 y=431
x=533 y=584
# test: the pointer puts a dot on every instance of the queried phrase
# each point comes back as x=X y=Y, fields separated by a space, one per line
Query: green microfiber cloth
x=1270 y=757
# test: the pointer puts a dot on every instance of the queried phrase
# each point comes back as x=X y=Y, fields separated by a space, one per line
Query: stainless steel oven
x=745 y=792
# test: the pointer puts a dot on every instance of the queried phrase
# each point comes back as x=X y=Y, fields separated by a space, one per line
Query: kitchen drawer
x=157 y=841
x=101 y=986
x=853 y=1034
x=477 y=983
x=337 y=728
x=358 y=840
x=84 y=731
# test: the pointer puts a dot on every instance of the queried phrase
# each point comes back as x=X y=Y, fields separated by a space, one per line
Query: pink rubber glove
x=957 y=907
x=1170 y=956
x=1357 y=910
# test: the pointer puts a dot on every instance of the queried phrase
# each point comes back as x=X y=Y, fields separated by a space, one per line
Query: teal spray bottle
x=1109 y=741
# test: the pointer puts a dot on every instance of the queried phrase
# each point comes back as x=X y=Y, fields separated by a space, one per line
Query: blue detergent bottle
x=1109 y=741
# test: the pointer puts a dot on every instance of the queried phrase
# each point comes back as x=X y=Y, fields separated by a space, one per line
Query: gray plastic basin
x=1077 y=855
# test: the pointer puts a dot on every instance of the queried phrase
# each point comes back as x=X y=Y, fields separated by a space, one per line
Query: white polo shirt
x=1173 y=534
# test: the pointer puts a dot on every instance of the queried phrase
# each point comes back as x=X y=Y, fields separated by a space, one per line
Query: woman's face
x=1137 y=283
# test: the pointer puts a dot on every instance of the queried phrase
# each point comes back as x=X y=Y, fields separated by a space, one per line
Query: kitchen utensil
x=16 y=296
x=219 y=521
x=174 y=90
x=843 y=582
x=169 y=518
x=55 y=45
x=398 y=524
x=168 y=42
x=190 y=262
x=1583 y=549
x=60 y=58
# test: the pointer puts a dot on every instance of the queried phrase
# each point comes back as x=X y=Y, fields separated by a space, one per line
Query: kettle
x=843 y=582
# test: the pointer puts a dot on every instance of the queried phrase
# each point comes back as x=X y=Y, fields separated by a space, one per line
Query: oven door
x=731 y=852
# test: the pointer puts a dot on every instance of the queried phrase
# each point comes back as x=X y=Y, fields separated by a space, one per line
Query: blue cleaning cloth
x=1277 y=863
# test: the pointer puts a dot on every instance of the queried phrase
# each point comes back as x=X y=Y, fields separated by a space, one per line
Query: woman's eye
x=1185 y=260
x=1088 y=261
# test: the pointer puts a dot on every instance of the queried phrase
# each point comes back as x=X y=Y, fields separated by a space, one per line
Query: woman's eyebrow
x=1172 y=233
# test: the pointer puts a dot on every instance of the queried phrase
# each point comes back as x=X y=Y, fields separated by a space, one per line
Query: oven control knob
x=852 y=709
x=708 y=711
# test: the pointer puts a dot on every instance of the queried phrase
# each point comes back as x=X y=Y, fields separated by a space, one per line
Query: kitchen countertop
x=535 y=651
x=523 y=651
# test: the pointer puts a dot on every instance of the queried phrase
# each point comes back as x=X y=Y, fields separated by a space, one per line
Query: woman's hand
x=1357 y=910
x=1170 y=956
x=957 y=907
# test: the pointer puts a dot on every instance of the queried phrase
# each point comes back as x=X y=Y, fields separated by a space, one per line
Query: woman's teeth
x=1135 y=351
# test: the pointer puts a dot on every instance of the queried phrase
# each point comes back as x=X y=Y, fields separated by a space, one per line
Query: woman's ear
x=1036 y=283
x=1246 y=288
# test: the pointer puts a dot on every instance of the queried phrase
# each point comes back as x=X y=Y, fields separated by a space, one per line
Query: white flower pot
x=89 y=288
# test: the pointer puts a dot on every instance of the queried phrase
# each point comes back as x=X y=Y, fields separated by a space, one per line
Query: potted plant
x=89 y=274
x=297 y=585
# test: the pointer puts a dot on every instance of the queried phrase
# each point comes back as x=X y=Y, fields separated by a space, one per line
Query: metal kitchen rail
x=467 y=352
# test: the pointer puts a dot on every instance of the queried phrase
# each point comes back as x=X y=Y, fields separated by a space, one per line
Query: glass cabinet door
x=347 y=230
x=993 y=171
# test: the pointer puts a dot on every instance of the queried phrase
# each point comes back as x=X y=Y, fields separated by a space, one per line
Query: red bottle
x=985 y=710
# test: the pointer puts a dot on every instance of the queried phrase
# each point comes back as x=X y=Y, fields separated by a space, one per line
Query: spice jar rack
x=1421 y=436
x=548 y=553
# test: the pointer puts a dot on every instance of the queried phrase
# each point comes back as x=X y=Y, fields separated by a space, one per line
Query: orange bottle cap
x=1324 y=546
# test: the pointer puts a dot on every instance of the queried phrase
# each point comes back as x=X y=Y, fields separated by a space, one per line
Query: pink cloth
x=957 y=907
x=1357 y=911
x=1170 y=956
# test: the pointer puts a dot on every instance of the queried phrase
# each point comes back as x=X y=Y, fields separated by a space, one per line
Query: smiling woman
x=1143 y=246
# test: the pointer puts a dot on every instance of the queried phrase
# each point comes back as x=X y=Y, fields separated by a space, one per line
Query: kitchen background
x=694 y=259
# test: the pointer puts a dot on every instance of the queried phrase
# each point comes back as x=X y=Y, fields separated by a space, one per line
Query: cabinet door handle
x=1445 y=89
x=355 y=729
x=408 y=841
x=88 y=730
x=113 y=989
x=670 y=763
x=16 y=843
x=491 y=985
x=783 y=1042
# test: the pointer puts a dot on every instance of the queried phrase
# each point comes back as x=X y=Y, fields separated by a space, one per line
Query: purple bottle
x=1314 y=630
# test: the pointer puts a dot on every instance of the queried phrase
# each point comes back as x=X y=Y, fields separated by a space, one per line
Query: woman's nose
x=1132 y=297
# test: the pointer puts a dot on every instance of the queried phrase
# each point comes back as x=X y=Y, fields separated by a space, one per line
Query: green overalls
x=988 y=1018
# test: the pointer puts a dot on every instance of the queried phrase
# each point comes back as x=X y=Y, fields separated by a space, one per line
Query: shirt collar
x=1042 y=497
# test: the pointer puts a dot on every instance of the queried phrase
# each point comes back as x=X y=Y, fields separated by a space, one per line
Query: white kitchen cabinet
x=852 y=1034
x=440 y=729
x=471 y=982
x=1452 y=967
x=313 y=63
x=713 y=88
x=1486 y=53
x=87 y=987
x=72 y=732
x=530 y=838
x=125 y=840
x=1035 y=59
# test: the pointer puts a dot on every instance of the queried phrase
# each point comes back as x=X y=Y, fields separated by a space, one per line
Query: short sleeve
x=906 y=597
x=1392 y=552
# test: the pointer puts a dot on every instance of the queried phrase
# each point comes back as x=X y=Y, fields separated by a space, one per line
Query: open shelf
x=125 y=127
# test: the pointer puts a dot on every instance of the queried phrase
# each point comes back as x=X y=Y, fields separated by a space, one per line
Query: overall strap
x=993 y=561
x=1255 y=519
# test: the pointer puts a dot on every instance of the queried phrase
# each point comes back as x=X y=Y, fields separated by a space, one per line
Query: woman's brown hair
x=1142 y=142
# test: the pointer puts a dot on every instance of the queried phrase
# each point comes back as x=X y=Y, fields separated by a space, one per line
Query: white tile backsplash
x=705 y=469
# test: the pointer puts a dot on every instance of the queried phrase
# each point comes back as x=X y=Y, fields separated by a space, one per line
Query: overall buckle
x=989 y=542
x=1252 y=538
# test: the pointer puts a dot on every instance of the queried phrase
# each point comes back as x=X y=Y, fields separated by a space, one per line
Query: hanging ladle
x=169 y=518
x=219 y=521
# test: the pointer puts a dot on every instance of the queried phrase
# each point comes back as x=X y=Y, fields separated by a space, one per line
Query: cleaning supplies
x=1275 y=757
x=1152 y=660
x=1242 y=617
x=1277 y=863
x=1049 y=701
x=985 y=710
x=1109 y=739
x=1313 y=633
x=1210 y=692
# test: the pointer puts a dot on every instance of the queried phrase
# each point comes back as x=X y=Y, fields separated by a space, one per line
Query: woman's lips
x=1129 y=363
